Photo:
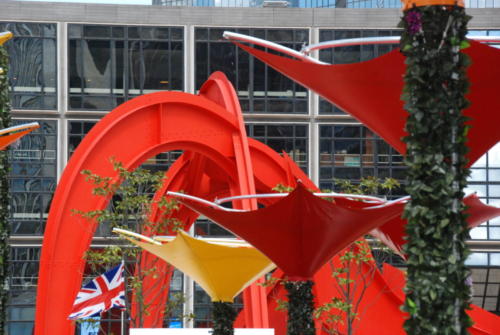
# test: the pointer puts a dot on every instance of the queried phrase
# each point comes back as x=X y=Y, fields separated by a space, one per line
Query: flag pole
x=123 y=310
x=123 y=322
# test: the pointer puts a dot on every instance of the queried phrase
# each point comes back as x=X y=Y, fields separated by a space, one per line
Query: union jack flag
x=100 y=294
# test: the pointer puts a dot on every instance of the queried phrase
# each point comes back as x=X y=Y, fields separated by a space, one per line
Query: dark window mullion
x=486 y=282
x=142 y=75
x=251 y=84
x=82 y=77
x=126 y=57
x=169 y=77
x=113 y=68
x=237 y=74
x=42 y=81
x=209 y=47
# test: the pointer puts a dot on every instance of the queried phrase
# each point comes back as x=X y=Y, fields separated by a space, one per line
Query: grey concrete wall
x=209 y=16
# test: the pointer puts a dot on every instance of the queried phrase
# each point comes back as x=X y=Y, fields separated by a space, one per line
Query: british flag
x=102 y=293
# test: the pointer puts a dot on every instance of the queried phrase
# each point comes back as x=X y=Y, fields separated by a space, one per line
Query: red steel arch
x=133 y=132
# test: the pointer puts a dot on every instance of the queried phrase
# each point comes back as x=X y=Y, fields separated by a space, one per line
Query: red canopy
x=394 y=230
x=370 y=91
x=301 y=232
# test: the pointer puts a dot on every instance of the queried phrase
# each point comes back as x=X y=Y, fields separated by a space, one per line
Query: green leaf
x=464 y=44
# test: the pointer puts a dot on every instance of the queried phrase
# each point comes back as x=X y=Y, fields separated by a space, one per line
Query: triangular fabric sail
x=222 y=271
x=301 y=231
x=6 y=140
x=371 y=92
x=11 y=134
x=394 y=230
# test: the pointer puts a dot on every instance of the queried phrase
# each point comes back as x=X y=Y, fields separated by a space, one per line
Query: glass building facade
x=68 y=74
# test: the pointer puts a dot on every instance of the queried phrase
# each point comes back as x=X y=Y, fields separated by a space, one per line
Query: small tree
x=350 y=275
x=131 y=207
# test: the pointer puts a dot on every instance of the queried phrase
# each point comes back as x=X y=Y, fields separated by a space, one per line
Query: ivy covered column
x=223 y=316
x=4 y=187
x=300 y=307
x=437 y=294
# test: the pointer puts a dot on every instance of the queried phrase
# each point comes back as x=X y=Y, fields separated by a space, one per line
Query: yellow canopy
x=222 y=269
x=5 y=36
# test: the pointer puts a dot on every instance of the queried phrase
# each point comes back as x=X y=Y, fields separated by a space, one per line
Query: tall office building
x=71 y=64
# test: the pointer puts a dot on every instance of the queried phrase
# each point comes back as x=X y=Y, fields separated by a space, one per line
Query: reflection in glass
x=124 y=62
x=260 y=88
x=33 y=178
x=96 y=66
x=291 y=138
x=33 y=68
x=354 y=152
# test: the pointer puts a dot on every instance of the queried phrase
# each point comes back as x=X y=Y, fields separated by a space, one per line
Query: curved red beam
x=370 y=91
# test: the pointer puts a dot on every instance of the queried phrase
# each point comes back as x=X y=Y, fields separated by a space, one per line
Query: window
x=291 y=138
x=482 y=3
x=33 y=178
x=485 y=280
x=354 y=152
x=22 y=286
x=203 y=307
x=111 y=64
x=260 y=88
x=33 y=65
x=485 y=182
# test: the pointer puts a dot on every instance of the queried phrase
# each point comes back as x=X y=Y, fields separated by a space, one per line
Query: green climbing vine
x=223 y=316
x=437 y=295
x=5 y=121
x=300 y=308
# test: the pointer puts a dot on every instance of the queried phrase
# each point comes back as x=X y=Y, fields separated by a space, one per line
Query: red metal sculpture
x=218 y=160
x=133 y=132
